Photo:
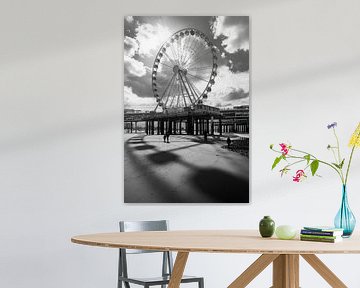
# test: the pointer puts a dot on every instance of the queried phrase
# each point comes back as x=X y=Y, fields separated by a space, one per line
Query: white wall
x=61 y=148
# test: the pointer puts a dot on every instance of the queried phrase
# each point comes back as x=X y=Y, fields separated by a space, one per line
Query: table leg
x=253 y=270
x=286 y=271
x=324 y=271
x=178 y=269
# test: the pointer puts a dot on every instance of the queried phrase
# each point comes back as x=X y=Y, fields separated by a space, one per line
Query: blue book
x=322 y=231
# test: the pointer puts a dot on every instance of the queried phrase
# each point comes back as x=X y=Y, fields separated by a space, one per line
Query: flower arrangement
x=293 y=156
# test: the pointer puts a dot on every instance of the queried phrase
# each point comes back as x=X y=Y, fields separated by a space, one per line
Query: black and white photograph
x=186 y=109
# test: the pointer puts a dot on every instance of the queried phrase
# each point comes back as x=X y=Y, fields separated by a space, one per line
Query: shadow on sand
x=221 y=186
x=163 y=157
x=216 y=186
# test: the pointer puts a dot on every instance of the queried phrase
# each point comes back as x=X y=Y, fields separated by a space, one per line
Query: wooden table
x=284 y=254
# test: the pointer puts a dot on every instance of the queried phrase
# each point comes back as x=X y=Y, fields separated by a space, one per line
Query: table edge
x=206 y=250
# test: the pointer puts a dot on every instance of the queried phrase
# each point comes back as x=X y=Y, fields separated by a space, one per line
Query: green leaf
x=307 y=157
x=339 y=166
x=336 y=165
x=314 y=166
x=271 y=146
x=342 y=163
x=276 y=161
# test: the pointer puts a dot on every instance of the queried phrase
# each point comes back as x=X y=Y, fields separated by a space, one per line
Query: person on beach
x=228 y=140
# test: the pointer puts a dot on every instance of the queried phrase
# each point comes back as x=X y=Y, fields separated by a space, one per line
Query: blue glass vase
x=345 y=219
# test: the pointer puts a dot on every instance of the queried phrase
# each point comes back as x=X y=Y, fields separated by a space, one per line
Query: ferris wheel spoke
x=191 y=85
x=185 y=49
x=174 y=95
x=198 y=48
x=188 y=57
x=169 y=58
x=197 y=77
x=193 y=92
x=178 y=51
x=182 y=90
x=179 y=96
x=174 y=54
x=191 y=49
x=200 y=52
x=197 y=92
x=186 y=88
x=167 y=86
x=167 y=66
x=198 y=58
x=181 y=50
x=170 y=92
x=167 y=97
x=191 y=55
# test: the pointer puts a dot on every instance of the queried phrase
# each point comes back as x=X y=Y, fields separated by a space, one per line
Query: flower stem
x=338 y=146
x=304 y=152
x=348 y=168
x=312 y=159
x=350 y=159
x=320 y=161
x=338 y=171
x=339 y=156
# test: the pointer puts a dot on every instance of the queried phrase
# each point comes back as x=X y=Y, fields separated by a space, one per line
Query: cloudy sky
x=144 y=37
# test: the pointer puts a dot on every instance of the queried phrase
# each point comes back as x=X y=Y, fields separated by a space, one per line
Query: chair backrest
x=135 y=226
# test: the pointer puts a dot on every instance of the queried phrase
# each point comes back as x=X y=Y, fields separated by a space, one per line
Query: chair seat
x=158 y=280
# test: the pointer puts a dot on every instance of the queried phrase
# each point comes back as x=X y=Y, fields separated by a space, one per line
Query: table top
x=217 y=241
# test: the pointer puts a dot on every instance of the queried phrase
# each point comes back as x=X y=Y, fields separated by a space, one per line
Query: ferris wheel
x=184 y=70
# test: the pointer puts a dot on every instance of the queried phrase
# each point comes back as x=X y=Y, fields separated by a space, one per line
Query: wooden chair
x=167 y=262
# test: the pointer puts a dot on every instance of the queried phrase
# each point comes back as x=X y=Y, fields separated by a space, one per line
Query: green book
x=325 y=240
x=319 y=236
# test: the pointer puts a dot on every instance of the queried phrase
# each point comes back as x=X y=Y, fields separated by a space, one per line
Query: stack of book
x=321 y=234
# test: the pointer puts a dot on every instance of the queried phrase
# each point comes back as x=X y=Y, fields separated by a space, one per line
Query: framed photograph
x=186 y=109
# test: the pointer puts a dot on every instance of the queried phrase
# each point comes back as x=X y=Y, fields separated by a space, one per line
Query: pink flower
x=300 y=174
x=284 y=148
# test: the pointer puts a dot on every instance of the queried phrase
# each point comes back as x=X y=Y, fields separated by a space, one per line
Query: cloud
x=129 y=19
x=230 y=89
x=236 y=94
x=133 y=101
x=239 y=61
x=143 y=40
x=131 y=65
x=236 y=32
x=150 y=38
x=134 y=67
x=131 y=46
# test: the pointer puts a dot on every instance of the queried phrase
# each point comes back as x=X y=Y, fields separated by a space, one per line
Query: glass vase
x=345 y=219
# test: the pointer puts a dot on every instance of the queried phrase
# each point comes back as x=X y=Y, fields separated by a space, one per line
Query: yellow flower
x=355 y=137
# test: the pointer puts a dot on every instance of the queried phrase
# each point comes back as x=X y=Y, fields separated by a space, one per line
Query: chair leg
x=201 y=283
